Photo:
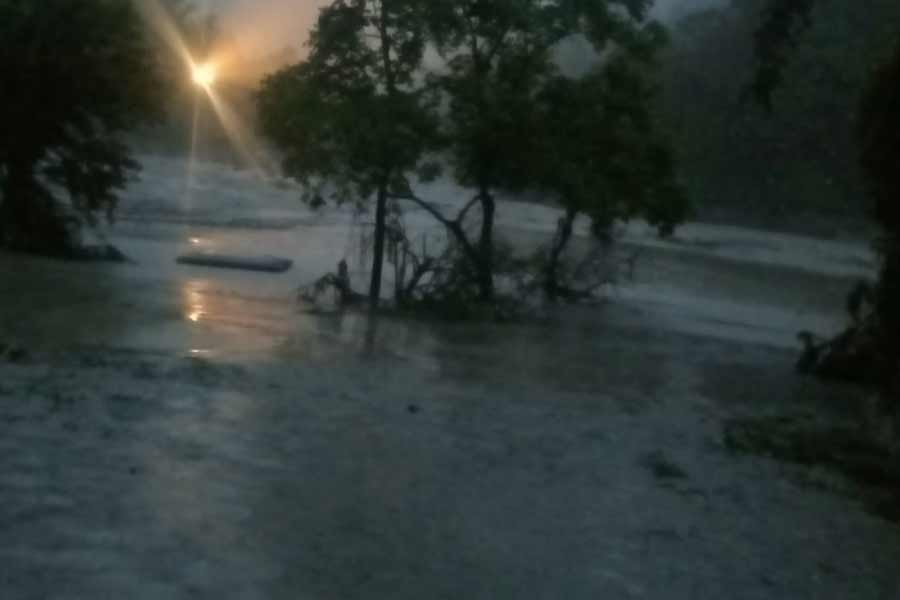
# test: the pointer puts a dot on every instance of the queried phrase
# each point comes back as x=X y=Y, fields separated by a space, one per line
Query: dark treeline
x=794 y=164
x=869 y=350
x=367 y=115
x=75 y=78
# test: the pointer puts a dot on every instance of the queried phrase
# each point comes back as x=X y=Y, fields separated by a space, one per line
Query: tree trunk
x=378 y=252
x=381 y=209
x=486 y=246
x=560 y=242
x=888 y=306
x=18 y=191
x=385 y=38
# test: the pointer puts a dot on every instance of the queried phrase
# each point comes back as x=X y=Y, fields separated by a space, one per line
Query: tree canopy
x=75 y=75
x=499 y=58
x=353 y=116
x=879 y=157
x=391 y=85
x=789 y=161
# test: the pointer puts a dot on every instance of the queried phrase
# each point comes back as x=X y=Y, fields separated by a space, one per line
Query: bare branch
x=425 y=206
x=454 y=227
x=462 y=215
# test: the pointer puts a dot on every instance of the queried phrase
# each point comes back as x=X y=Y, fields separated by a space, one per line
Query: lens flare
x=207 y=76
x=204 y=75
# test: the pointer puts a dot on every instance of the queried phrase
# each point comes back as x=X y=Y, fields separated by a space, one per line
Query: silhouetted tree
x=364 y=111
x=600 y=155
x=879 y=132
x=499 y=59
x=75 y=75
x=354 y=114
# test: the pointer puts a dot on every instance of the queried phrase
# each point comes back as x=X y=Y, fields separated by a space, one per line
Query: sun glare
x=204 y=75
x=207 y=76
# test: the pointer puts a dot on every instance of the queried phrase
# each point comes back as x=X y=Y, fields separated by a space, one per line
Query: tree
x=879 y=124
x=75 y=75
x=364 y=111
x=354 y=114
x=499 y=58
x=880 y=134
x=602 y=157
x=741 y=160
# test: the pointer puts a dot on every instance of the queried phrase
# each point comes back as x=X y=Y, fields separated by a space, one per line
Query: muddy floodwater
x=175 y=432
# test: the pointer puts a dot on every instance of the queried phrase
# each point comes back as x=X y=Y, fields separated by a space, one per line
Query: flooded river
x=178 y=432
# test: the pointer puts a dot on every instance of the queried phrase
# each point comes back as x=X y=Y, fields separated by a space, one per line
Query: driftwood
x=340 y=283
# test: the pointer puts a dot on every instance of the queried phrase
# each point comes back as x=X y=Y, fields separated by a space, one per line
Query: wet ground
x=182 y=433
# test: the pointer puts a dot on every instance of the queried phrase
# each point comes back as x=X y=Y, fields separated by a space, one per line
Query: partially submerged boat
x=265 y=264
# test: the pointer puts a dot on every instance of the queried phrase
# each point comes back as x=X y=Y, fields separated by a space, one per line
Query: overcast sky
x=667 y=9
x=262 y=27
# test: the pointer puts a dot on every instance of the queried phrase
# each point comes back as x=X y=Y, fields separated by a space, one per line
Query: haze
x=261 y=29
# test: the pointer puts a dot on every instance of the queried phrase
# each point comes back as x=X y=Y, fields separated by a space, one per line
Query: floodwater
x=187 y=433
x=714 y=281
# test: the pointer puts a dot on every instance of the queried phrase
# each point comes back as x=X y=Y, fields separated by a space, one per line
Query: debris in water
x=266 y=264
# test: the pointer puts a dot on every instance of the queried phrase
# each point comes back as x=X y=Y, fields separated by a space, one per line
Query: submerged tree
x=366 y=110
x=498 y=82
x=600 y=156
x=353 y=116
x=76 y=75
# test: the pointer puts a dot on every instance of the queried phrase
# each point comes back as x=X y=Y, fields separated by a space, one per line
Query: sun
x=204 y=75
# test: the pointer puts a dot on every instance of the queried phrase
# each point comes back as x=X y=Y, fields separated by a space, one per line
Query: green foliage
x=75 y=75
x=507 y=127
x=343 y=117
x=602 y=154
x=361 y=115
x=499 y=55
x=354 y=117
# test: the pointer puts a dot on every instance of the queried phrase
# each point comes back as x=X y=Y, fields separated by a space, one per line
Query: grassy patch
x=806 y=441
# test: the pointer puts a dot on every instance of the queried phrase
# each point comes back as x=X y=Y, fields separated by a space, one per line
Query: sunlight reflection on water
x=195 y=304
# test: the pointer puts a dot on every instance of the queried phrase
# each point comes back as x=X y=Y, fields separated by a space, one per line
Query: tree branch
x=465 y=211
x=497 y=47
x=425 y=206
x=453 y=227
